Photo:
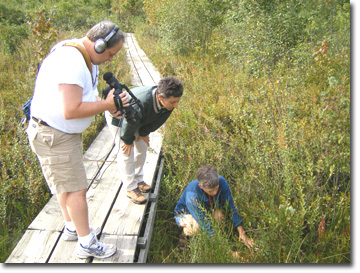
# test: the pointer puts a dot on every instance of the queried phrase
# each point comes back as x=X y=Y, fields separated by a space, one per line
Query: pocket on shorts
x=56 y=159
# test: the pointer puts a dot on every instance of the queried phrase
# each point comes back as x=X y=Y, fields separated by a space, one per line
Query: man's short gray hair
x=170 y=86
x=207 y=177
x=101 y=30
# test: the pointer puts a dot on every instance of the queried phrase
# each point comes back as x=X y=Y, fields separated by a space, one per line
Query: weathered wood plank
x=155 y=75
x=126 y=217
x=126 y=246
x=50 y=217
x=135 y=78
x=100 y=147
x=136 y=63
x=34 y=247
x=138 y=58
x=97 y=153
x=101 y=196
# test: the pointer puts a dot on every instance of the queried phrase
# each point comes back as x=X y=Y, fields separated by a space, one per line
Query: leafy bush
x=184 y=25
x=129 y=12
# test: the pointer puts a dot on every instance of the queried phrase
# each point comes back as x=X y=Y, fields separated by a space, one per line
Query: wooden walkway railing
x=121 y=221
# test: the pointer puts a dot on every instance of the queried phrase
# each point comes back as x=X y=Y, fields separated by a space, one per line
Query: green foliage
x=11 y=37
x=259 y=34
x=185 y=25
x=82 y=14
x=12 y=28
x=11 y=15
x=43 y=32
x=129 y=12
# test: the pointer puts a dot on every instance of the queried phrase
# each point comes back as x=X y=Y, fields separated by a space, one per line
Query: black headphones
x=101 y=44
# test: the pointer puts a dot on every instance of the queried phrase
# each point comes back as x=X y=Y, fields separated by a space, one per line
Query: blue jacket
x=195 y=201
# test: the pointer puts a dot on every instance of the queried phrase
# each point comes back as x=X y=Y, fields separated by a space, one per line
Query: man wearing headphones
x=64 y=103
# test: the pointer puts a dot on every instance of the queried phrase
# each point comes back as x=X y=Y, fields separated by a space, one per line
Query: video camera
x=131 y=115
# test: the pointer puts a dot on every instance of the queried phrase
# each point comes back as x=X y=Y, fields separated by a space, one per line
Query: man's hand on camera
x=110 y=100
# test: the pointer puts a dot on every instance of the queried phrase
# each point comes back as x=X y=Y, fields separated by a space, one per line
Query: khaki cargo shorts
x=61 y=157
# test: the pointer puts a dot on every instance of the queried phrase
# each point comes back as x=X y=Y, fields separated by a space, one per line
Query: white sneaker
x=72 y=235
x=94 y=249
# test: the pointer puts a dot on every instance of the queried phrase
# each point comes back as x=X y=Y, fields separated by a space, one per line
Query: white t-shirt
x=64 y=65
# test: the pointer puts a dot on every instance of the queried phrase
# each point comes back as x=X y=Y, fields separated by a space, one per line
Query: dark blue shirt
x=196 y=202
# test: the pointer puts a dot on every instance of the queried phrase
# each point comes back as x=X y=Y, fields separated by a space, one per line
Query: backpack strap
x=84 y=53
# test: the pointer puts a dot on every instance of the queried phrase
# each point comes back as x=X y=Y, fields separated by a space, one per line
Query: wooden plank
x=137 y=64
x=126 y=246
x=152 y=71
x=50 y=217
x=100 y=147
x=34 y=247
x=135 y=78
x=126 y=217
x=138 y=58
x=100 y=198
x=97 y=153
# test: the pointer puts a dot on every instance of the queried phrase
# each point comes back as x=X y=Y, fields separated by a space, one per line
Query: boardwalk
x=123 y=223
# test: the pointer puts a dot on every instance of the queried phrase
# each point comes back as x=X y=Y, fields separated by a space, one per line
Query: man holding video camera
x=158 y=102
x=64 y=103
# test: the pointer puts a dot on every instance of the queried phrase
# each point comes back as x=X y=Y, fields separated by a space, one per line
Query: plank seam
x=144 y=64
x=100 y=168
x=132 y=59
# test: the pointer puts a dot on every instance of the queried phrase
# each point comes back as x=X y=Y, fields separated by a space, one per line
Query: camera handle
x=136 y=100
